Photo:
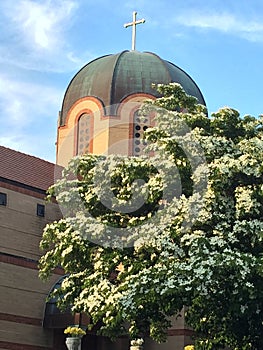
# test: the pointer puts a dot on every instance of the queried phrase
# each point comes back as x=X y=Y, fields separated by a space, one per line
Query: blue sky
x=45 y=42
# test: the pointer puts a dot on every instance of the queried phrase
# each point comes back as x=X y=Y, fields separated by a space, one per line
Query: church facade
x=100 y=105
x=99 y=115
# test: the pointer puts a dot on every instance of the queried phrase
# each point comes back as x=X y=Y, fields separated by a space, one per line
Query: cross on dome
x=133 y=24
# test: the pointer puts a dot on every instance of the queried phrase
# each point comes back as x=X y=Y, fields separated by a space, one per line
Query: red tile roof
x=26 y=169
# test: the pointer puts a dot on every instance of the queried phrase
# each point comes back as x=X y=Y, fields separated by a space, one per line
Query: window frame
x=3 y=199
x=41 y=210
x=87 y=149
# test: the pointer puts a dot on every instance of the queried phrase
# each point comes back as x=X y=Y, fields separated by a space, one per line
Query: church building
x=99 y=115
x=99 y=110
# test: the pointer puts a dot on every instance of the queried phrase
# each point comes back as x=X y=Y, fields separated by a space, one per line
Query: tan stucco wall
x=111 y=134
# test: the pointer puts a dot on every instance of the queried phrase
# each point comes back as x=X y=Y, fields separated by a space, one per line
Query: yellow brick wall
x=20 y=228
x=22 y=293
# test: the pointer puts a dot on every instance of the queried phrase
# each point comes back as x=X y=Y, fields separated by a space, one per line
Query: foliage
x=199 y=245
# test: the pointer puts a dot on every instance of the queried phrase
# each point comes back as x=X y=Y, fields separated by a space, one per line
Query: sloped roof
x=25 y=169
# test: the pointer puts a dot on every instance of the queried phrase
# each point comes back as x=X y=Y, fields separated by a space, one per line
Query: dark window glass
x=40 y=210
x=3 y=198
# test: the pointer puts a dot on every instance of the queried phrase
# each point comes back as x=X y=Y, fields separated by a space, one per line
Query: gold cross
x=133 y=24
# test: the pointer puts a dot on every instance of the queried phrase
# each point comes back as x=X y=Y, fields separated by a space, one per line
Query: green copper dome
x=112 y=78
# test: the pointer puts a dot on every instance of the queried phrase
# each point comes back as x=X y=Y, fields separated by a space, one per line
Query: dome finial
x=133 y=24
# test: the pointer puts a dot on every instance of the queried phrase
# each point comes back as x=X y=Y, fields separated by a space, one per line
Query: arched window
x=140 y=124
x=84 y=134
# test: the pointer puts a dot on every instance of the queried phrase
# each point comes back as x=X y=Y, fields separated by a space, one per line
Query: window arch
x=140 y=125
x=84 y=134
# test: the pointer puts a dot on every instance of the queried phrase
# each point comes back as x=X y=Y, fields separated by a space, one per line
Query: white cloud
x=33 y=39
x=28 y=116
x=21 y=101
x=224 y=22
x=34 y=34
x=40 y=23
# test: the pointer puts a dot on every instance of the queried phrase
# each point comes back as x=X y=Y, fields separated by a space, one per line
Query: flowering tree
x=141 y=237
